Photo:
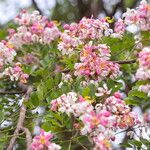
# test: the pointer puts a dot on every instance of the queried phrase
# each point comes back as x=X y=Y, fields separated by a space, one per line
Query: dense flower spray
x=99 y=116
x=33 y=28
x=99 y=122
x=15 y=73
x=95 y=62
x=133 y=20
x=77 y=34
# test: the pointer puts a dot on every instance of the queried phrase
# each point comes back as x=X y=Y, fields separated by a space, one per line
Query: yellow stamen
x=42 y=140
x=95 y=121
x=88 y=98
x=9 y=45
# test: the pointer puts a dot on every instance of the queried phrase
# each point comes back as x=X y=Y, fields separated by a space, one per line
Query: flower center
x=42 y=140
x=95 y=121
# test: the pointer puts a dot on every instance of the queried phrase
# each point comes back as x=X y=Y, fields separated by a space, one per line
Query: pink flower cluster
x=143 y=72
x=7 y=53
x=106 y=119
x=144 y=58
x=70 y=103
x=7 y=66
x=125 y=118
x=119 y=28
x=96 y=122
x=33 y=28
x=134 y=20
x=95 y=63
x=139 y=16
x=42 y=141
x=77 y=34
x=99 y=122
x=16 y=73
x=116 y=105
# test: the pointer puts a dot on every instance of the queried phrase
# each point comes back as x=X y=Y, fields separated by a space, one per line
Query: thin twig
x=3 y=91
x=28 y=137
x=81 y=145
x=21 y=119
x=126 y=61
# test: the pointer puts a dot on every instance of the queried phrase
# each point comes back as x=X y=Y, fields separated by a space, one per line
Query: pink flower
x=42 y=140
x=93 y=120
x=128 y=120
x=138 y=16
x=24 y=77
x=116 y=105
x=119 y=27
x=54 y=105
x=7 y=53
x=102 y=143
x=103 y=91
x=144 y=58
x=16 y=73
x=143 y=72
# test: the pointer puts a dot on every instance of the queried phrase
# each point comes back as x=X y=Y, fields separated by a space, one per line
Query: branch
x=28 y=137
x=126 y=61
x=3 y=91
x=22 y=113
x=23 y=89
x=36 y=6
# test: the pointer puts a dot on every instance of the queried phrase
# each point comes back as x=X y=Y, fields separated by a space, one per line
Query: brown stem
x=21 y=119
x=28 y=137
x=126 y=61
x=3 y=91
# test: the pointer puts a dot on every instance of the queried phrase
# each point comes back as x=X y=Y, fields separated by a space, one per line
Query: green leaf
x=145 y=142
x=49 y=83
x=86 y=91
x=137 y=93
x=132 y=101
x=126 y=145
x=1 y=116
x=40 y=92
x=135 y=143
x=143 y=82
x=92 y=90
x=66 y=87
x=114 y=85
x=34 y=99
x=57 y=78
